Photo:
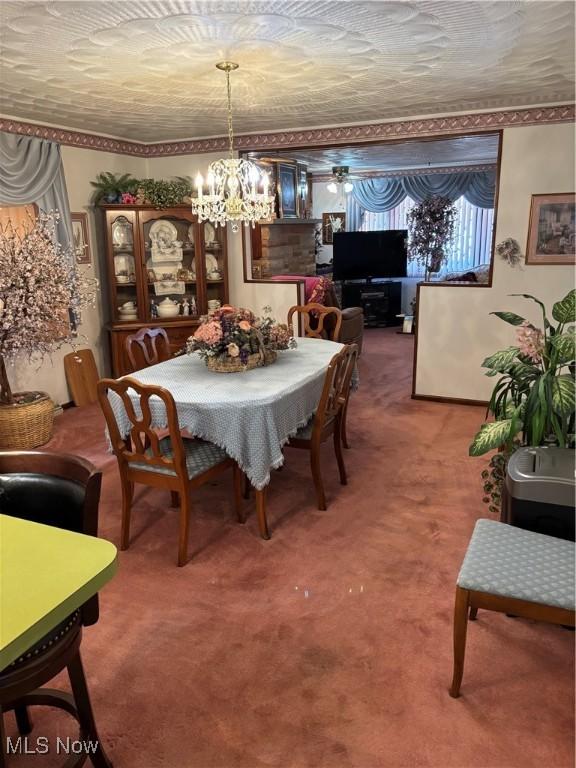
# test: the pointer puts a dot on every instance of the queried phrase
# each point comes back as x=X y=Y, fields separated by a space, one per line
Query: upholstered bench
x=510 y=570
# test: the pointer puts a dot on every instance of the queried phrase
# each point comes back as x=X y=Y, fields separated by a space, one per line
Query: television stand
x=380 y=301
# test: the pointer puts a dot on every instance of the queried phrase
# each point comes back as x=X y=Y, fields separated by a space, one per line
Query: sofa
x=320 y=290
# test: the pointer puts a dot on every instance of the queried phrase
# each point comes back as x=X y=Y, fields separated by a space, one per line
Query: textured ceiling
x=145 y=70
x=461 y=150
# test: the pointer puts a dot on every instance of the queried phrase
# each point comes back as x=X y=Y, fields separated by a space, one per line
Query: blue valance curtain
x=31 y=172
x=386 y=192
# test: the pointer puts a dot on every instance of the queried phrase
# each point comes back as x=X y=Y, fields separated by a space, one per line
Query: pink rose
x=244 y=325
x=233 y=350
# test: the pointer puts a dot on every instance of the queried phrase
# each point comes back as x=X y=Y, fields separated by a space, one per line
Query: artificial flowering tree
x=431 y=229
x=40 y=291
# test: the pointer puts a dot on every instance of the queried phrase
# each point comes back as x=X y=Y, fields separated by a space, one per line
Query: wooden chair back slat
x=147 y=347
x=314 y=317
x=82 y=376
x=143 y=442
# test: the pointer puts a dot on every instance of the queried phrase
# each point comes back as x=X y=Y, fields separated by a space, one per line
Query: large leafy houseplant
x=533 y=402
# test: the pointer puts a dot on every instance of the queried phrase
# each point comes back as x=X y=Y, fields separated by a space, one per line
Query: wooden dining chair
x=147 y=347
x=319 y=322
x=62 y=491
x=327 y=420
x=168 y=461
x=82 y=376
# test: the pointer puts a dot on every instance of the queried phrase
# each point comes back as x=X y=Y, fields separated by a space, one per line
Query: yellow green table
x=45 y=574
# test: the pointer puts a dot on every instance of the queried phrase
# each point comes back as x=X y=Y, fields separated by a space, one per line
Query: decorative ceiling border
x=411 y=172
x=340 y=135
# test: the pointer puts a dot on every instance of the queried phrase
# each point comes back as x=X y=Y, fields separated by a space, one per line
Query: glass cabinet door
x=126 y=305
x=170 y=250
x=215 y=259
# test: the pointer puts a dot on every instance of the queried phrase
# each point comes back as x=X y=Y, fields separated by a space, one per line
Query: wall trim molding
x=339 y=135
x=374 y=174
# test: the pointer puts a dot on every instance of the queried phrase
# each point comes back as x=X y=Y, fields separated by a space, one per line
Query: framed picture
x=552 y=229
x=287 y=191
x=81 y=243
x=331 y=223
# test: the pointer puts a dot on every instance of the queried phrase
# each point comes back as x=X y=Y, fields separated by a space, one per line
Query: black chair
x=62 y=491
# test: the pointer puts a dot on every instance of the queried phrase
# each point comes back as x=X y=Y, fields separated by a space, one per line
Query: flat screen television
x=369 y=255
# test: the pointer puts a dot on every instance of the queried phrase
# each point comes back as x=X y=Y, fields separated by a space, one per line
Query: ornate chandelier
x=232 y=193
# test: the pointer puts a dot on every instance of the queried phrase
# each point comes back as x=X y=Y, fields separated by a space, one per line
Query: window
x=472 y=243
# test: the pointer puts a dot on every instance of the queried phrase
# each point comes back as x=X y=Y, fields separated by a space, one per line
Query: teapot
x=168 y=308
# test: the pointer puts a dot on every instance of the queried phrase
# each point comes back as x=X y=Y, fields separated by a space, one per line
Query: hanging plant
x=164 y=194
x=431 y=229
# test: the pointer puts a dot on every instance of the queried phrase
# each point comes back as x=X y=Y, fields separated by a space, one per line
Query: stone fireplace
x=284 y=247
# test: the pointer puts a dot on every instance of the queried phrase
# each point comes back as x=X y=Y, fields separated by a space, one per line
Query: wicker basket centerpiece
x=233 y=339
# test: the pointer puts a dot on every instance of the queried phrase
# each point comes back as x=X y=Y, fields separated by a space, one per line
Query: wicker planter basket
x=235 y=365
x=27 y=425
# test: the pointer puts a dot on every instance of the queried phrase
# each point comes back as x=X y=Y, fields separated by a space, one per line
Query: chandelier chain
x=230 y=127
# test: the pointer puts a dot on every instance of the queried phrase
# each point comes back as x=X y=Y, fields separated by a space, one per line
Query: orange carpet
x=330 y=645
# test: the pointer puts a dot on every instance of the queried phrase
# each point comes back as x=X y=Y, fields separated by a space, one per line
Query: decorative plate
x=164 y=229
x=122 y=232
x=191 y=234
x=124 y=263
x=211 y=265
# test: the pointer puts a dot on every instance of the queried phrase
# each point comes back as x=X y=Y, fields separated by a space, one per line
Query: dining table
x=251 y=414
x=46 y=573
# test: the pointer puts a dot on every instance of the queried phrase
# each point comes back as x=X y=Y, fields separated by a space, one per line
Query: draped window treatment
x=472 y=241
x=31 y=172
x=384 y=193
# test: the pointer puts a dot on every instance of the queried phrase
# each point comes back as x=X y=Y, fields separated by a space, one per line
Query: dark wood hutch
x=159 y=263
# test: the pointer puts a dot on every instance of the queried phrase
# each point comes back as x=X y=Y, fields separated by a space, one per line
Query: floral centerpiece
x=233 y=339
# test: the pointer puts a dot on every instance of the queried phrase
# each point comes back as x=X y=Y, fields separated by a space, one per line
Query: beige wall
x=80 y=167
x=455 y=330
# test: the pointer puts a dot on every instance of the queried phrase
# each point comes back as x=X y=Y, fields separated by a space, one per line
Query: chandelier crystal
x=237 y=190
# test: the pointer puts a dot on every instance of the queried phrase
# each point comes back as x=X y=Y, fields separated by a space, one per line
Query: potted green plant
x=533 y=402
x=110 y=187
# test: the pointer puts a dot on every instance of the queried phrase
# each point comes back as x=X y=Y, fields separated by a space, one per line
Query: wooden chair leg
x=174 y=499
x=473 y=613
x=99 y=757
x=339 y=454
x=185 y=513
x=23 y=720
x=343 y=428
x=237 y=472
x=460 y=627
x=261 y=513
x=317 y=475
x=127 y=495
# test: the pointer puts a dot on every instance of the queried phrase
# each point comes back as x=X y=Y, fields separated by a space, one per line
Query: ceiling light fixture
x=233 y=183
x=340 y=182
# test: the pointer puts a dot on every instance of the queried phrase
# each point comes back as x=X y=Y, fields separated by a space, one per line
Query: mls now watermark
x=42 y=745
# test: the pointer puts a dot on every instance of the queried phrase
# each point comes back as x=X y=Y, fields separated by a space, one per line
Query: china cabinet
x=164 y=269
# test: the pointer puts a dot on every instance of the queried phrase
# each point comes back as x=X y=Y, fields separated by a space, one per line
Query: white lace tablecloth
x=250 y=415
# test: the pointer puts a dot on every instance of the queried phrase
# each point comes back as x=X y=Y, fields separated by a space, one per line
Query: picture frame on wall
x=552 y=229
x=331 y=223
x=80 y=240
x=287 y=191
